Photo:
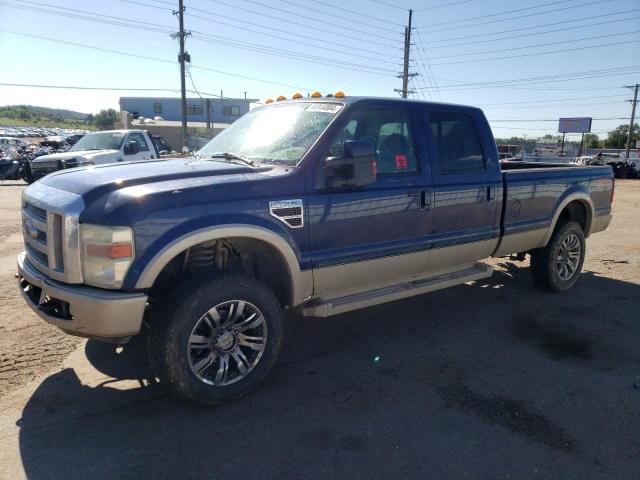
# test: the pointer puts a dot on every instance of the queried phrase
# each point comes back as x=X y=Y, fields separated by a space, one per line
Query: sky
x=524 y=63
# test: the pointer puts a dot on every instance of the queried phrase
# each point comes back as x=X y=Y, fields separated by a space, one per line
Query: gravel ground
x=494 y=379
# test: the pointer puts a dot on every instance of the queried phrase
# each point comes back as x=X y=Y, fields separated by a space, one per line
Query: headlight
x=107 y=254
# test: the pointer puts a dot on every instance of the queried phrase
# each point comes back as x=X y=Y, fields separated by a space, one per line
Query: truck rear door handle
x=491 y=193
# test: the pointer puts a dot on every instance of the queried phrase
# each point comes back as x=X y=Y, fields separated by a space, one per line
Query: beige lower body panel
x=600 y=223
x=356 y=285
x=346 y=303
x=521 y=242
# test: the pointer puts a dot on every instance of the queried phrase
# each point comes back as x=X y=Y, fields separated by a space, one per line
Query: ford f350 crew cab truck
x=97 y=148
x=325 y=205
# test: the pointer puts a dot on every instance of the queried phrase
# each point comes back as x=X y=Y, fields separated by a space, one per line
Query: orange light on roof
x=269 y=100
x=281 y=98
x=316 y=94
x=339 y=94
x=297 y=95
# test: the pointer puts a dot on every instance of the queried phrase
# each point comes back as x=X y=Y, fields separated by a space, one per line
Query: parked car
x=98 y=149
x=12 y=142
x=323 y=205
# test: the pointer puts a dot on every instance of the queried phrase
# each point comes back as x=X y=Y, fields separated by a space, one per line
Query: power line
x=290 y=14
x=272 y=28
x=581 y=39
x=127 y=54
x=554 y=100
x=450 y=4
x=298 y=42
x=498 y=14
x=304 y=57
x=334 y=17
x=223 y=41
x=488 y=22
x=548 y=105
x=600 y=45
x=243 y=22
x=562 y=77
x=108 y=89
x=533 y=27
x=563 y=29
x=289 y=21
x=341 y=8
x=389 y=5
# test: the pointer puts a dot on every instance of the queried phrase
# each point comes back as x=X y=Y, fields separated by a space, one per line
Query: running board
x=333 y=306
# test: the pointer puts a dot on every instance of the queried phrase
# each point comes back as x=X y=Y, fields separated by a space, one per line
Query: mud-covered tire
x=546 y=268
x=186 y=314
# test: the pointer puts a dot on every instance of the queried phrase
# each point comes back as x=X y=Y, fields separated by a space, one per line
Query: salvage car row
x=30 y=162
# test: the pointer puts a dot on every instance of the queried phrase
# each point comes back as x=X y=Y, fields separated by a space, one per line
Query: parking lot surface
x=492 y=379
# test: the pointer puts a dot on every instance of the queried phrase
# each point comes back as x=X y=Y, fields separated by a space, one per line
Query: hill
x=40 y=116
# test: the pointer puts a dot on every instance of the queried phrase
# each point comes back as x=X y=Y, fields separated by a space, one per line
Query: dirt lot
x=488 y=380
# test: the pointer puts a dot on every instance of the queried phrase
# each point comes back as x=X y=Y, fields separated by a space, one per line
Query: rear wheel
x=557 y=266
x=217 y=338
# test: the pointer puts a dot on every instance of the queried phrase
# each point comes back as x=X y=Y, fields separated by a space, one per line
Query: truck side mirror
x=131 y=148
x=356 y=169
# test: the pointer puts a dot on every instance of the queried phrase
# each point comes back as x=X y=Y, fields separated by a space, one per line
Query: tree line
x=615 y=139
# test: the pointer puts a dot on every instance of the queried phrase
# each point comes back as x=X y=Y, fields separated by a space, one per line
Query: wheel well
x=576 y=212
x=251 y=257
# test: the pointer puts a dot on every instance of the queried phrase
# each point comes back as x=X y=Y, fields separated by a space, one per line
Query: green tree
x=591 y=140
x=105 y=119
x=618 y=138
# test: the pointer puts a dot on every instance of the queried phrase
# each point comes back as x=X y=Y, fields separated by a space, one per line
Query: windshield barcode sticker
x=324 y=107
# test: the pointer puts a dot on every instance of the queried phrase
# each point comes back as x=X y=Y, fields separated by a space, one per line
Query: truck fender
x=571 y=196
x=301 y=282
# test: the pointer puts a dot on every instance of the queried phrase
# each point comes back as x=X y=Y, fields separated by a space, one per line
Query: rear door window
x=455 y=141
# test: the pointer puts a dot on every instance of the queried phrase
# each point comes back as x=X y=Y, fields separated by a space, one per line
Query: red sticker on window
x=401 y=162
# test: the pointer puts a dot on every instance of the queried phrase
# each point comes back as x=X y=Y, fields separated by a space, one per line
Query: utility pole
x=405 y=76
x=182 y=58
x=634 y=102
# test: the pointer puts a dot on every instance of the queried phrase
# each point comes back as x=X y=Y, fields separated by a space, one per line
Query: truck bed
x=535 y=192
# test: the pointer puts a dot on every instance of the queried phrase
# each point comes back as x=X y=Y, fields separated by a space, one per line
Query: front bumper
x=81 y=310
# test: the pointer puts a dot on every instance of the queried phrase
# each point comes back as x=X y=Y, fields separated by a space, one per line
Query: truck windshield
x=99 y=141
x=275 y=133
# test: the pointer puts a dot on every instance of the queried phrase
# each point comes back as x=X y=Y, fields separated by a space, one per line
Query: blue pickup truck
x=321 y=204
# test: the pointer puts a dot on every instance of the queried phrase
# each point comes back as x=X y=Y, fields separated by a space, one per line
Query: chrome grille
x=41 y=258
x=37 y=213
x=34 y=226
x=50 y=231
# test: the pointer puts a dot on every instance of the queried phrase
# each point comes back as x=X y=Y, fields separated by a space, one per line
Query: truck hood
x=88 y=155
x=95 y=181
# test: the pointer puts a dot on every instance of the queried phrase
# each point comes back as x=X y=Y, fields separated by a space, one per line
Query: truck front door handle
x=425 y=198
x=491 y=193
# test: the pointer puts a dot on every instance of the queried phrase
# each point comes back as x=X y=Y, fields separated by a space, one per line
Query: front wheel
x=557 y=266
x=217 y=338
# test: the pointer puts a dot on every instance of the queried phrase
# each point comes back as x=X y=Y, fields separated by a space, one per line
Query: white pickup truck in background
x=98 y=148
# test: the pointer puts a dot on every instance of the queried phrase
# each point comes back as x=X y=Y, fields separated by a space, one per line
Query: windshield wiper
x=229 y=156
